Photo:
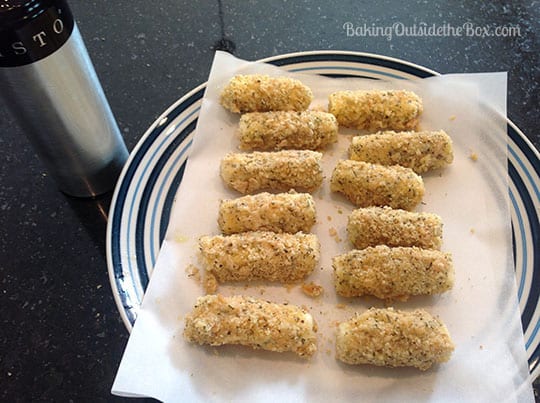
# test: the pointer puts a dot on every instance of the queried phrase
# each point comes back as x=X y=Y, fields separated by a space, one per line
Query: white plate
x=145 y=192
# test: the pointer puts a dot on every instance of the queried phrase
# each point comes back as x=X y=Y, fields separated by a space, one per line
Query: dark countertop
x=61 y=337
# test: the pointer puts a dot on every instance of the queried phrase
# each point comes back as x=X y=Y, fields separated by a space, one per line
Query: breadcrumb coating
x=376 y=109
x=260 y=255
x=284 y=212
x=393 y=273
x=366 y=184
x=371 y=226
x=262 y=93
x=279 y=170
x=217 y=320
x=388 y=337
x=420 y=151
x=271 y=131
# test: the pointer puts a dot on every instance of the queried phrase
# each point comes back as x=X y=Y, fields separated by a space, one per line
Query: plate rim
x=114 y=200
x=301 y=54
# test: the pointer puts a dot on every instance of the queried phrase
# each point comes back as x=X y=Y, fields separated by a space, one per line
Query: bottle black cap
x=30 y=30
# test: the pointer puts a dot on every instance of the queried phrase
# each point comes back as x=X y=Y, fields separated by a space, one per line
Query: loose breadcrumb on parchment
x=334 y=234
x=312 y=290
x=473 y=156
x=180 y=238
x=193 y=272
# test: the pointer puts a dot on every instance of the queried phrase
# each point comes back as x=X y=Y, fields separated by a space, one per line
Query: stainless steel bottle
x=49 y=83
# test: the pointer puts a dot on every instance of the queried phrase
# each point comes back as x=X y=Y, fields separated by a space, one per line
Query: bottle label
x=38 y=38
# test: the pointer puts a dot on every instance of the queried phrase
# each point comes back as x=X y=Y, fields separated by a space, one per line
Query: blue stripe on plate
x=134 y=166
x=365 y=59
x=169 y=200
x=174 y=166
x=534 y=360
x=521 y=231
x=532 y=233
x=335 y=75
x=529 y=154
x=157 y=169
x=302 y=69
x=532 y=217
x=143 y=205
x=532 y=182
x=119 y=209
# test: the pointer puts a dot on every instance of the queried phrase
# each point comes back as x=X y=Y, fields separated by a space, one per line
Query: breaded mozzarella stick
x=269 y=131
x=392 y=273
x=376 y=110
x=284 y=212
x=420 y=151
x=280 y=170
x=366 y=184
x=373 y=226
x=260 y=255
x=388 y=337
x=218 y=320
x=262 y=93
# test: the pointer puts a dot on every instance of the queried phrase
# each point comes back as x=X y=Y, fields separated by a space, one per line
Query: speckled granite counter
x=60 y=334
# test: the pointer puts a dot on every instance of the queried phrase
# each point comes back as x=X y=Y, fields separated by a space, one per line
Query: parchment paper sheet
x=481 y=312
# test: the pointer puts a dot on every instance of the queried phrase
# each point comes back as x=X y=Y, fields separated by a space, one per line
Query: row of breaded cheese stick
x=265 y=236
x=396 y=251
